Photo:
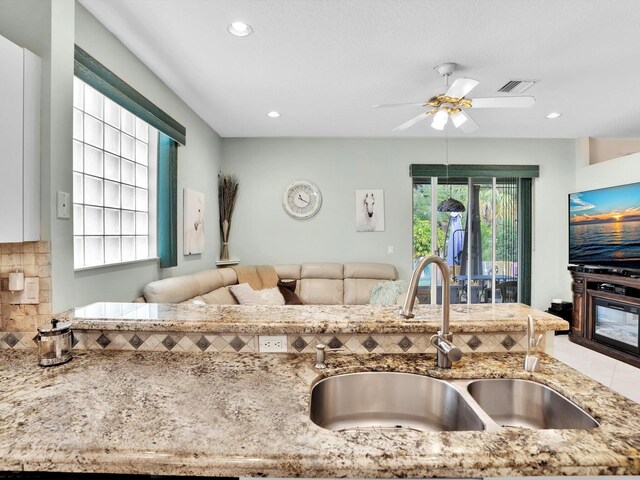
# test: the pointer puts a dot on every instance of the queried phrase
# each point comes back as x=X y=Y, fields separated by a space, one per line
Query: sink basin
x=525 y=404
x=390 y=401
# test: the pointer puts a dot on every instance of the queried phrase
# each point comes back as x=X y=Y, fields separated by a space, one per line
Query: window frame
x=80 y=173
x=431 y=173
x=95 y=74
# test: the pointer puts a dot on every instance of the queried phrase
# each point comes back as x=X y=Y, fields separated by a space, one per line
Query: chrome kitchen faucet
x=446 y=351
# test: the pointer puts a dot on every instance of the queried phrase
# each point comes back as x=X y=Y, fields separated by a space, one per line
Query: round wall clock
x=302 y=199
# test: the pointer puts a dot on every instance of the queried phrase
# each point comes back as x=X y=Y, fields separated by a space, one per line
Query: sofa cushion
x=288 y=271
x=360 y=278
x=248 y=296
x=229 y=276
x=357 y=291
x=208 y=280
x=321 y=291
x=198 y=300
x=183 y=288
x=382 y=271
x=322 y=270
x=171 y=290
x=220 y=296
x=321 y=283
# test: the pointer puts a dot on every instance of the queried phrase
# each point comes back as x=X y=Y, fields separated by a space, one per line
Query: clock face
x=302 y=199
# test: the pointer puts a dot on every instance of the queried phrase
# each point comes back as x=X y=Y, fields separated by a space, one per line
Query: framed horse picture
x=370 y=210
x=193 y=239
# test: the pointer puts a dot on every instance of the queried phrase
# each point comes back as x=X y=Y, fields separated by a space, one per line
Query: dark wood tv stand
x=582 y=324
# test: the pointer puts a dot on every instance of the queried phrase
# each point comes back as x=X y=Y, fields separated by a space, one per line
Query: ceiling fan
x=453 y=103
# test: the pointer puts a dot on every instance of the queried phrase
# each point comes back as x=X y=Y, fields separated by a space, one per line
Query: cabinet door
x=31 y=148
x=11 y=125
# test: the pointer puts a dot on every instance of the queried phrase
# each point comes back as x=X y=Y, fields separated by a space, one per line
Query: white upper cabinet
x=20 y=144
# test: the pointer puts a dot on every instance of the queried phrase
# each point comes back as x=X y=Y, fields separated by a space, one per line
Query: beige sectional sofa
x=317 y=284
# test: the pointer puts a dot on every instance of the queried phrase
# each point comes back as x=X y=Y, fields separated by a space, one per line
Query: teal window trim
x=418 y=171
x=167 y=210
x=109 y=84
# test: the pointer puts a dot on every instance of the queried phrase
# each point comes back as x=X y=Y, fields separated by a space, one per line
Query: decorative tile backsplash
x=34 y=260
x=241 y=343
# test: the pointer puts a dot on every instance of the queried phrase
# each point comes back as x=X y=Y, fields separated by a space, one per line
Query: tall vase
x=224 y=252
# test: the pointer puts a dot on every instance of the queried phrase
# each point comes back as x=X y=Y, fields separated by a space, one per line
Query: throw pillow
x=386 y=293
x=288 y=284
x=288 y=290
x=248 y=296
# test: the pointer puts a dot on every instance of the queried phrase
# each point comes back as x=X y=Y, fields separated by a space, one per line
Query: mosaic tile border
x=296 y=344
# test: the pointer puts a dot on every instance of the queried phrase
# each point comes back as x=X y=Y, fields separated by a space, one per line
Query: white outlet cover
x=272 y=343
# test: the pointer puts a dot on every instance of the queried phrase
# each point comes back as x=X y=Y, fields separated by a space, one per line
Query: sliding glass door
x=480 y=237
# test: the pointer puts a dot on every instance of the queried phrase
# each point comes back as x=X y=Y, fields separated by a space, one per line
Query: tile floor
x=617 y=375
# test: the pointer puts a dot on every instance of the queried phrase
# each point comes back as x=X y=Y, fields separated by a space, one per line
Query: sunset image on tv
x=604 y=226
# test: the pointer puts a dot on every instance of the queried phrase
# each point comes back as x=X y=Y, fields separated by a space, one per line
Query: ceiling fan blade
x=464 y=122
x=387 y=105
x=440 y=120
x=412 y=122
x=461 y=87
x=503 y=102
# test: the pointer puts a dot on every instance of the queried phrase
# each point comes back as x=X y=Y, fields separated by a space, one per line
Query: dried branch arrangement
x=227 y=195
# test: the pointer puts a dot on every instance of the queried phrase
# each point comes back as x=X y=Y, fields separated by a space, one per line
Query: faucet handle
x=448 y=349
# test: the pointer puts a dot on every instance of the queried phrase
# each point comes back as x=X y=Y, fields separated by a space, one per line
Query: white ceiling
x=323 y=63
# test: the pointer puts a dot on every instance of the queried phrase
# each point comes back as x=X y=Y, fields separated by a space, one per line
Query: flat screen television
x=604 y=227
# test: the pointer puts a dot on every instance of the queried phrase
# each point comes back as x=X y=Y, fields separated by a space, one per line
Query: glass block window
x=112 y=198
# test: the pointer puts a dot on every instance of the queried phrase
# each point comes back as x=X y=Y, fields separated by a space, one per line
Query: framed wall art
x=370 y=210
x=193 y=238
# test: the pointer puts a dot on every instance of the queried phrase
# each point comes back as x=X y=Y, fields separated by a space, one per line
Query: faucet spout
x=407 y=309
x=446 y=351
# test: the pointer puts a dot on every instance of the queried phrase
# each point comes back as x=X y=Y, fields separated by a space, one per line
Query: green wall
x=265 y=166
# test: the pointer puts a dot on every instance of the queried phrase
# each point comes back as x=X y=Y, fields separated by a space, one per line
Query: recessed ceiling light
x=240 y=29
x=553 y=115
x=273 y=114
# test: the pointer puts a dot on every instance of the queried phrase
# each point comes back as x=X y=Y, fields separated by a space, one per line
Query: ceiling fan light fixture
x=458 y=119
x=440 y=120
x=553 y=115
x=451 y=205
x=240 y=29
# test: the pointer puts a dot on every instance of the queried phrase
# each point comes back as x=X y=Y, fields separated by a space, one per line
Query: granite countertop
x=306 y=319
x=247 y=415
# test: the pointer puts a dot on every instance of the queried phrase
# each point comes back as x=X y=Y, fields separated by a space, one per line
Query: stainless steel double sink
x=393 y=401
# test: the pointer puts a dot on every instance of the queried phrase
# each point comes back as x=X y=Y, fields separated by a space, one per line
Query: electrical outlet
x=272 y=343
